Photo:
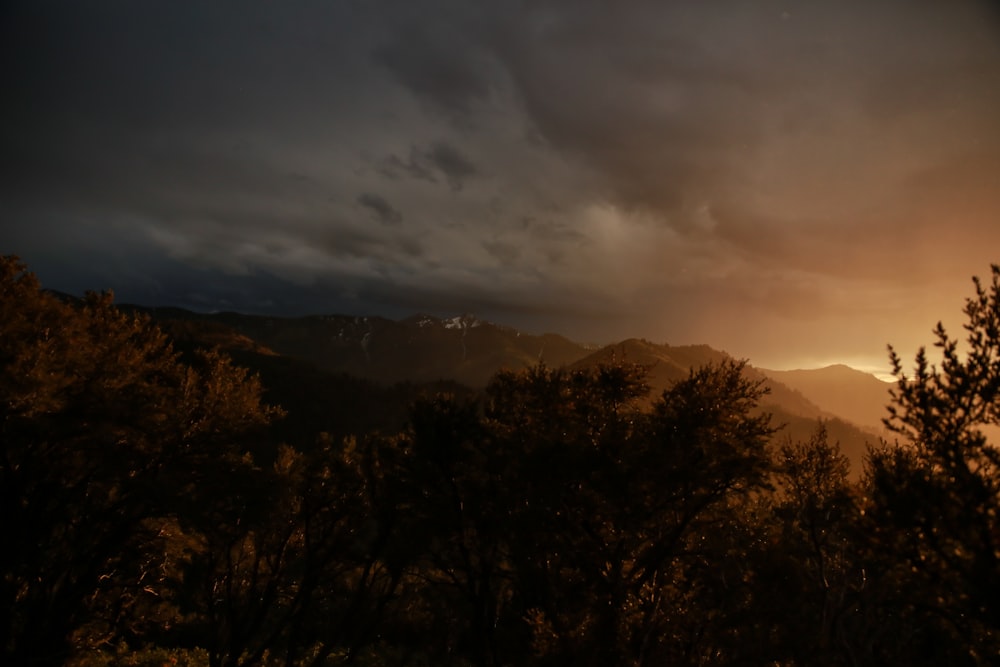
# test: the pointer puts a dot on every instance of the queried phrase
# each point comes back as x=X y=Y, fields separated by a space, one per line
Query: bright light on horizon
x=865 y=365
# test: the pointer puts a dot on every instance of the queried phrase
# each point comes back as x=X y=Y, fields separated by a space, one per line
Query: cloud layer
x=797 y=182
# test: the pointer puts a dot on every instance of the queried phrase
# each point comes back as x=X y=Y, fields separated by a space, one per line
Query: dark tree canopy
x=102 y=429
x=940 y=490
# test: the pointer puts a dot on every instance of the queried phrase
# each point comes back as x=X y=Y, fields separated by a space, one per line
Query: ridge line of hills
x=371 y=366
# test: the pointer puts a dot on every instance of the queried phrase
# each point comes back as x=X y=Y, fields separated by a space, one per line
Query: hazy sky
x=797 y=182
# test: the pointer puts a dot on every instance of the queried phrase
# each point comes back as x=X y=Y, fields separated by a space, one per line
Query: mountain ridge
x=425 y=349
x=855 y=395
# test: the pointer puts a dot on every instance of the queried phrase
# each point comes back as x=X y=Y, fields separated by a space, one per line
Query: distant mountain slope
x=841 y=390
x=670 y=363
x=791 y=409
x=423 y=349
x=667 y=364
x=418 y=349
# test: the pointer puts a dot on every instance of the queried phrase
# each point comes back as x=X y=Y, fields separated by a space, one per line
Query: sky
x=794 y=182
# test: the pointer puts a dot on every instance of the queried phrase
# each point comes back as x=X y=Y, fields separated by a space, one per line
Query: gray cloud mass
x=383 y=210
x=795 y=182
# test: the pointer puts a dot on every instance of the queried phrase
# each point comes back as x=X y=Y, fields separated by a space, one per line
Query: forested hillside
x=372 y=367
x=794 y=416
x=418 y=349
x=157 y=511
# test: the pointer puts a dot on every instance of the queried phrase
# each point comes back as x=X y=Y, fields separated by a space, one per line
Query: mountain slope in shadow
x=418 y=349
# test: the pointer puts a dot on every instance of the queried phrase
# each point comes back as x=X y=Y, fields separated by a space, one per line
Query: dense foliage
x=152 y=516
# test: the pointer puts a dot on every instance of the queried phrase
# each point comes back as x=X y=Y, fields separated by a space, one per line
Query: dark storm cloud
x=450 y=162
x=393 y=166
x=718 y=90
x=505 y=253
x=383 y=210
x=437 y=67
x=369 y=247
x=425 y=163
x=705 y=172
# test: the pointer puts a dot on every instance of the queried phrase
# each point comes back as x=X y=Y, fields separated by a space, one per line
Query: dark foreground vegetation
x=150 y=516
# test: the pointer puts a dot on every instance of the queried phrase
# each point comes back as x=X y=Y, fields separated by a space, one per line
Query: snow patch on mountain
x=462 y=322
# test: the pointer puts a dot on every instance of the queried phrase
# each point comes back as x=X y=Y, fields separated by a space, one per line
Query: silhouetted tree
x=815 y=571
x=567 y=525
x=936 y=496
x=101 y=430
x=703 y=456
